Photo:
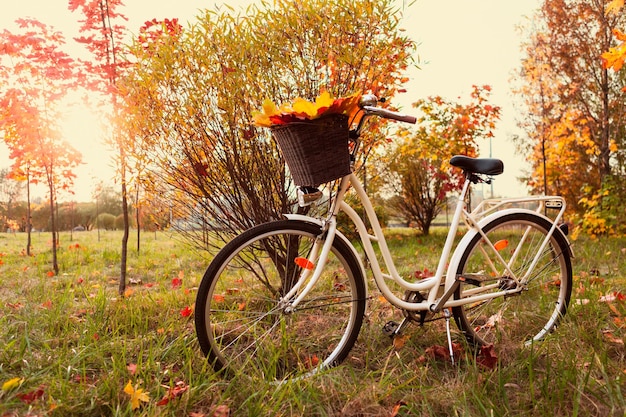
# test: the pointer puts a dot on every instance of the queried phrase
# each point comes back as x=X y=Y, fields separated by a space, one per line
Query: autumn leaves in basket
x=301 y=109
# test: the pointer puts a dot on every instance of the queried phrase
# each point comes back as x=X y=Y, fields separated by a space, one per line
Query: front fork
x=313 y=267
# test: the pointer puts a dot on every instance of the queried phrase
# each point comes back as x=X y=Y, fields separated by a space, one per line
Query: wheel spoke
x=244 y=328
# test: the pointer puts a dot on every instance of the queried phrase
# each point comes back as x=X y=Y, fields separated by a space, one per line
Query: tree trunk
x=28 y=215
x=137 y=219
x=122 y=285
x=53 y=226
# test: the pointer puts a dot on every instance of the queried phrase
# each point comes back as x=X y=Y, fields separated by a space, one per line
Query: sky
x=461 y=43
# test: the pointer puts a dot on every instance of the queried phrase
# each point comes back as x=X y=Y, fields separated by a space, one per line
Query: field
x=71 y=346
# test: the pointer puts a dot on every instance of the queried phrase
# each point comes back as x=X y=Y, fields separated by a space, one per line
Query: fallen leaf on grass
x=312 y=361
x=487 y=357
x=132 y=368
x=178 y=281
x=611 y=338
x=12 y=383
x=222 y=411
x=186 y=312
x=399 y=341
x=440 y=352
x=173 y=392
x=396 y=408
x=137 y=395
x=31 y=397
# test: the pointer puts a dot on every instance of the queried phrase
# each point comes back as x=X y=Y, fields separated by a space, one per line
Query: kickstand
x=446 y=313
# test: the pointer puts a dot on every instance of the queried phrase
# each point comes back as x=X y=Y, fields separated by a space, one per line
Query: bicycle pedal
x=389 y=329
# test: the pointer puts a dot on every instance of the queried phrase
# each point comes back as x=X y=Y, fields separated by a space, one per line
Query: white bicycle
x=287 y=298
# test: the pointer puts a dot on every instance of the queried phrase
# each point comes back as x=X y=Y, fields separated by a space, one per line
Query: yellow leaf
x=269 y=108
x=324 y=100
x=137 y=395
x=302 y=107
x=12 y=383
x=614 y=6
x=261 y=119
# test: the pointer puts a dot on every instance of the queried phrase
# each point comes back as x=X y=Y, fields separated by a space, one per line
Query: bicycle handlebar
x=388 y=114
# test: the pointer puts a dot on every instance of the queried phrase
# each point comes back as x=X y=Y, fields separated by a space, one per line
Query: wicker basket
x=316 y=151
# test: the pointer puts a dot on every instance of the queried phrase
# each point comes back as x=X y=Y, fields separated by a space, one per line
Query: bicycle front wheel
x=535 y=310
x=242 y=320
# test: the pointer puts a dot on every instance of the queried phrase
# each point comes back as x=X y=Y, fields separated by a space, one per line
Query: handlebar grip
x=388 y=114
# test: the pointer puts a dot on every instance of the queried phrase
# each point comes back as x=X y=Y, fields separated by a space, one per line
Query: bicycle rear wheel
x=530 y=314
x=243 y=326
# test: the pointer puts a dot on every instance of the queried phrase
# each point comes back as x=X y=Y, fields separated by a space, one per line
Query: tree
x=103 y=33
x=39 y=74
x=10 y=192
x=420 y=161
x=191 y=95
x=574 y=131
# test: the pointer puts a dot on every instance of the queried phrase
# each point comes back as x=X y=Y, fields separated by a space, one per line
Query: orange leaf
x=399 y=341
x=312 y=361
x=396 y=408
x=304 y=263
x=501 y=244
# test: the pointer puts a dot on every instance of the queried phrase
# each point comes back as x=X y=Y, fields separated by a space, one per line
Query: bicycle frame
x=484 y=213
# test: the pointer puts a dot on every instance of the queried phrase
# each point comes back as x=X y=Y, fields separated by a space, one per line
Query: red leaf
x=186 y=312
x=30 y=397
x=178 y=281
x=173 y=392
x=487 y=357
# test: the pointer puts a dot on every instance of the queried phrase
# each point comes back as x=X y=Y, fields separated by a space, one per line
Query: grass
x=74 y=344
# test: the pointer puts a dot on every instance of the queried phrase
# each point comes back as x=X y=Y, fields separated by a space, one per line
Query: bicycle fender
x=460 y=248
x=338 y=234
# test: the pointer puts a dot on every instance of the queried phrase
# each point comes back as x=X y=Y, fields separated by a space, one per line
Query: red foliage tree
x=36 y=75
x=102 y=32
x=420 y=160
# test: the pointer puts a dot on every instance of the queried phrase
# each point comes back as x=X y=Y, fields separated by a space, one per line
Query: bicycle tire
x=240 y=325
x=533 y=312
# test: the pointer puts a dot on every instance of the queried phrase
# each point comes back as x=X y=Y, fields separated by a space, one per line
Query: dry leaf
x=222 y=411
x=396 y=408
